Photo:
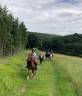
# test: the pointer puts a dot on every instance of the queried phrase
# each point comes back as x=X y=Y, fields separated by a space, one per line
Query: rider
x=32 y=58
x=42 y=54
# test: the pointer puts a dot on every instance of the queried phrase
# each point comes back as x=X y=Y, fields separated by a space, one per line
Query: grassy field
x=58 y=77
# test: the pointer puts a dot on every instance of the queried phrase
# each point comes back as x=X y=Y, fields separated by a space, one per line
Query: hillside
x=69 y=44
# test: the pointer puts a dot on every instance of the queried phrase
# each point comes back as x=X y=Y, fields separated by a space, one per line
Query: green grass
x=72 y=67
x=58 y=77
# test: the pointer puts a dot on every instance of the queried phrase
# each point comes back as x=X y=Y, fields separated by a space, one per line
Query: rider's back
x=34 y=56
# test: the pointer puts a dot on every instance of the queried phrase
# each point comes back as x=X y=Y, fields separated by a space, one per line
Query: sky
x=61 y=17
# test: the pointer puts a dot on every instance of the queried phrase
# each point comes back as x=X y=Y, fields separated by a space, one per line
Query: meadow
x=60 y=76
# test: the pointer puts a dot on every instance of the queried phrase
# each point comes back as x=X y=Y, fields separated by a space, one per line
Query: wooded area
x=14 y=37
x=70 y=44
x=12 y=33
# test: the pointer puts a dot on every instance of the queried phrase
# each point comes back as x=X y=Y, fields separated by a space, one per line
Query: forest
x=14 y=37
x=12 y=33
x=69 y=44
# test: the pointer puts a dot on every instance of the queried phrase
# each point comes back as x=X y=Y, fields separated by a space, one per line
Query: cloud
x=49 y=16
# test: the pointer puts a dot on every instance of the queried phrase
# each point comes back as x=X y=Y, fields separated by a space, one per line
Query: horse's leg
x=50 y=57
x=28 y=74
x=32 y=75
x=40 y=61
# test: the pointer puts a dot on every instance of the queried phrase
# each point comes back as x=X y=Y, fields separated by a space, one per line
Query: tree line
x=12 y=33
x=69 y=44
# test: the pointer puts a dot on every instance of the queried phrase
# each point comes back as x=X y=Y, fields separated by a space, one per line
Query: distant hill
x=69 y=44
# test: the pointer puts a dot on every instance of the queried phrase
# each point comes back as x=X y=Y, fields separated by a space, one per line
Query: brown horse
x=48 y=55
x=32 y=67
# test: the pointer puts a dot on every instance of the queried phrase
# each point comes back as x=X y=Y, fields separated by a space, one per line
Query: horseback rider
x=32 y=62
x=41 y=56
x=32 y=58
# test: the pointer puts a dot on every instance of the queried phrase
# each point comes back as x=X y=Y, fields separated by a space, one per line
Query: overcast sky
x=49 y=16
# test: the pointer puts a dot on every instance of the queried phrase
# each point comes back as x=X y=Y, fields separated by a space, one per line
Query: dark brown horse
x=49 y=55
x=32 y=67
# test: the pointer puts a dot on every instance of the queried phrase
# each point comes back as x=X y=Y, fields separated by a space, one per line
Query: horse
x=49 y=55
x=32 y=67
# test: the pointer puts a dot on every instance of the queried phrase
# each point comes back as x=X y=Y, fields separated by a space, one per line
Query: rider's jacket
x=34 y=57
x=42 y=54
